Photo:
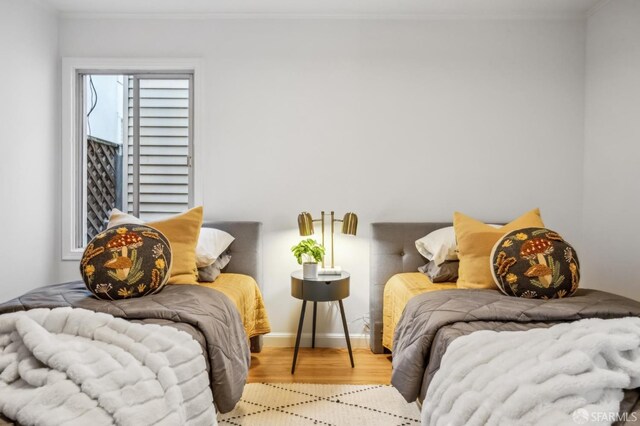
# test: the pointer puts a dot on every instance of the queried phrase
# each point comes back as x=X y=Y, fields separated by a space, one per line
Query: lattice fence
x=102 y=157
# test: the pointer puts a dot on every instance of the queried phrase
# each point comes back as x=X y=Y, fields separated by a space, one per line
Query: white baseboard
x=323 y=340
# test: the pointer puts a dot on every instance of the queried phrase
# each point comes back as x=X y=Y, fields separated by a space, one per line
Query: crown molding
x=323 y=16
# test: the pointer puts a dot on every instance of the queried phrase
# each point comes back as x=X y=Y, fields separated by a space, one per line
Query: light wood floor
x=320 y=365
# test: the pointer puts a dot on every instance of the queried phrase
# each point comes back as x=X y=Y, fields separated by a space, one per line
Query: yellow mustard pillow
x=475 y=241
x=182 y=231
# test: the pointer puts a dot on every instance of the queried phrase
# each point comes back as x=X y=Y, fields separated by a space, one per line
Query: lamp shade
x=350 y=224
x=305 y=224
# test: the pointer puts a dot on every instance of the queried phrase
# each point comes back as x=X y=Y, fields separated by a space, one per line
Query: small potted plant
x=308 y=253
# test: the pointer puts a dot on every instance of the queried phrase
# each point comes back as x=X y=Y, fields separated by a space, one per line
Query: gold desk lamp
x=349 y=227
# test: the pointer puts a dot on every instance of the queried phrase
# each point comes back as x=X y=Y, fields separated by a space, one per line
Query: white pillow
x=211 y=243
x=117 y=218
x=440 y=245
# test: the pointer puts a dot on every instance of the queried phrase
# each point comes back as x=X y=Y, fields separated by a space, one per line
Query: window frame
x=73 y=172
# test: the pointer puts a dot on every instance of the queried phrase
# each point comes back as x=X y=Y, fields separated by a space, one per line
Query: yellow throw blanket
x=245 y=294
x=397 y=292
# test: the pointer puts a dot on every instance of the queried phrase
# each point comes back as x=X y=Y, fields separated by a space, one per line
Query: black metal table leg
x=295 y=352
x=313 y=333
x=346 y=331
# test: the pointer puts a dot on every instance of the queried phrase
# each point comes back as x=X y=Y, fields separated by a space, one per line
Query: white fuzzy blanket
x=540 y=376
x=76 y=367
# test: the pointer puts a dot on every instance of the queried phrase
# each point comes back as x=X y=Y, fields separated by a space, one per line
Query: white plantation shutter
x=164 y=160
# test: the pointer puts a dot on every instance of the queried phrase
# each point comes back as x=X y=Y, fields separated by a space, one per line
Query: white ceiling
x=365 y=8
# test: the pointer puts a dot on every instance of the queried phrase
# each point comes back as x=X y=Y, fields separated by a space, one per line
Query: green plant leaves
x=309 y=247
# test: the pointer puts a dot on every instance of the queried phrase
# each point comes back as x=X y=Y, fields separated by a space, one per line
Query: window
x=133 y=148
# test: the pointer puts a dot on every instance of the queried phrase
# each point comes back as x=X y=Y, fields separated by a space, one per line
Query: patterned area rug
x=296 y=404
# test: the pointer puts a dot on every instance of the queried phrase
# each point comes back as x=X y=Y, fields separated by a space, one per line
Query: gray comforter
x=207 y=315
x=433 y=320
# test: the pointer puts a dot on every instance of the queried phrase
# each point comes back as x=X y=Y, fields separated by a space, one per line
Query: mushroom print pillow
x=126 y=261
x=536 y=263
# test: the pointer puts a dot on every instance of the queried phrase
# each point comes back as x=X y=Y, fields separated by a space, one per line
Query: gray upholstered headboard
x=393 y=250
x=246 y=249
x=246 y=255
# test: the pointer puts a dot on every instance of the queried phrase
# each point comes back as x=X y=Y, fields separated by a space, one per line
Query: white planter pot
x=309 y=270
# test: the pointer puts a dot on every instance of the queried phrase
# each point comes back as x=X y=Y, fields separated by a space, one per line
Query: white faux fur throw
x=69 y=366
x=540 y=376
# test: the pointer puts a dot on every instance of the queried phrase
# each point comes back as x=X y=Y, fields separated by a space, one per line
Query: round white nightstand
x=324 y=288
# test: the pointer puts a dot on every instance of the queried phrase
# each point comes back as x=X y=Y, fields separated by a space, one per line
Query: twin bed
x=417 y=320
x=227 y=317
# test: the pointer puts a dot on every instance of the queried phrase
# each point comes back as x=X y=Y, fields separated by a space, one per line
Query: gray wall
x=612 y=150
x=29 y=147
